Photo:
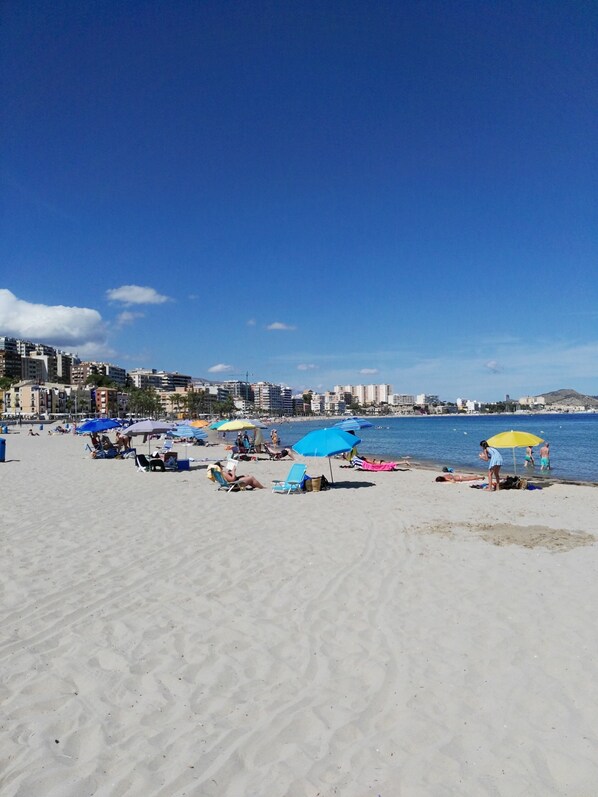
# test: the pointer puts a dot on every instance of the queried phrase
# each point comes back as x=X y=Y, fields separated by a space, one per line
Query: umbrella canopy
x=199 y=423
x=353 y=424
x=149 y=427
x=217 y=424
x=236 y=426
x=188 y=431
x=97 y=425
x=514 y=440
x=326 y=443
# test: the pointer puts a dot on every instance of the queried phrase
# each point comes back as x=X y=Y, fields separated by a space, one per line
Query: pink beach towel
x=361 y=464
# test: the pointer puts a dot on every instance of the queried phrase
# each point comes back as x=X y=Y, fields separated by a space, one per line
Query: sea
x=454 y=440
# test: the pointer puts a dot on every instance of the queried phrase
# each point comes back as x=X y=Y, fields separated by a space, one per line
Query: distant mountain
x=570 y=397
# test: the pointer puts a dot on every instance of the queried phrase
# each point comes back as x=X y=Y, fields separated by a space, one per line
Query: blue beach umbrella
x=326 y=443
x=98 y=425
x=217 y=424
x=353 y=424
x=188 y=431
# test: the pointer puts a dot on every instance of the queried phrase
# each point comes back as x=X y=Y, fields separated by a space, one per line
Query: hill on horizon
x=570 y=397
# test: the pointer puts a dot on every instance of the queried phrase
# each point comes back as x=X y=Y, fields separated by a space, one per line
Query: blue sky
x=312 y=193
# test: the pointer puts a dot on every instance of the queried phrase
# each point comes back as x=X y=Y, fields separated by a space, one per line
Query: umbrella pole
x=331 y=478
x=514 y=463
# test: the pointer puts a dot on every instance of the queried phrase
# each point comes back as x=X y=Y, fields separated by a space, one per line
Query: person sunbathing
x=363 y=463
x=230 y=476
x=459 y=477
x=285 y=452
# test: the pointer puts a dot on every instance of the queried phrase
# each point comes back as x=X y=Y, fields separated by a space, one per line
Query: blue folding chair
x=292 y=483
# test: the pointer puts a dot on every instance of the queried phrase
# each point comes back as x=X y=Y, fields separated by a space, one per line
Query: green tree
x=100 y=380
x=177 y=401
x=144 y=401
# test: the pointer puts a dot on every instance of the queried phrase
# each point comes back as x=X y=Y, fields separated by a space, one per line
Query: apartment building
x=273 y=399
x=145 y=378
x=366 y=395
x=10 y=359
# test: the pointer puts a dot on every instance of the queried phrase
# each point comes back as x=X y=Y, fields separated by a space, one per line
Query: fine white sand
x=392 y=636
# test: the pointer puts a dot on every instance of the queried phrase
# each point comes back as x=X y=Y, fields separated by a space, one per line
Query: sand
x=392 y=636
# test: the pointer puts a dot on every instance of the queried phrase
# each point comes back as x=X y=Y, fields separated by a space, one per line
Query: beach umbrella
x=217 y=424
x=236 y=426
x=353 y=424
x=149 y=428
x=514 y=440
x=326 y=443
x=187 y=432
x=98 y=425
x=199 y=424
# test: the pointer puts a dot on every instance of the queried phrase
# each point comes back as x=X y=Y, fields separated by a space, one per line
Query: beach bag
x=210 y=472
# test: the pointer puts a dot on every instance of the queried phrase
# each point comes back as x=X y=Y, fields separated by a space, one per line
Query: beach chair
x=166 y=446
x=292 y=483
x=146 y=465
x=230 y=487
x=277 y=454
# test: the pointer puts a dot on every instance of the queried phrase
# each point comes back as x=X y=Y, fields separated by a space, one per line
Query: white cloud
x=221 y=368
x=127 y=317
x=52 y=324
x=306 y=367
x=280 y=325
x=367 y=371
x=136 y=294
x=493 y=366
x=96 y=351
x=251 y=322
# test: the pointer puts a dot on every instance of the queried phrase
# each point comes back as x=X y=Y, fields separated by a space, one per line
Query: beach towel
x=362 y=464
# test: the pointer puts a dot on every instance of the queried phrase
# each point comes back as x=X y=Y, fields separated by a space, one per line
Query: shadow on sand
x=352 y=485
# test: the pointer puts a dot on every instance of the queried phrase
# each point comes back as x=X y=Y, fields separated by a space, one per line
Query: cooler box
x=183 y=464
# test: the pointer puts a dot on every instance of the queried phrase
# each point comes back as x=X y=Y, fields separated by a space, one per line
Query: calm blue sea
x=453 y=440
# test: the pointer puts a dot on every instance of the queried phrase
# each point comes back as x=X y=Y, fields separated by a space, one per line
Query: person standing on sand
x=529 y=457
x=494 y=459
x=545 y=457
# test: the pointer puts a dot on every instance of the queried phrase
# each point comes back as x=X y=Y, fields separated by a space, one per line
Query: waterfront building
x=240 y=390
x=144 y=378
x=32 y=369
x=10 y=359
x=81 y=371
x=273 y=399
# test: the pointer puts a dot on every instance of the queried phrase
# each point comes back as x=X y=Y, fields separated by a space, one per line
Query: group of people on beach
x=544 y=457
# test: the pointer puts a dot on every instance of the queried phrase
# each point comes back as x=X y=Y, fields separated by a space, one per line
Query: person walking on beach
x=529 y=457
x=545 y=457
x=494 y=459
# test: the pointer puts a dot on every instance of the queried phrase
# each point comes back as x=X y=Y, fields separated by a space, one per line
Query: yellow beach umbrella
x=514 y=440
x=199 y=424
x=236 y=426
